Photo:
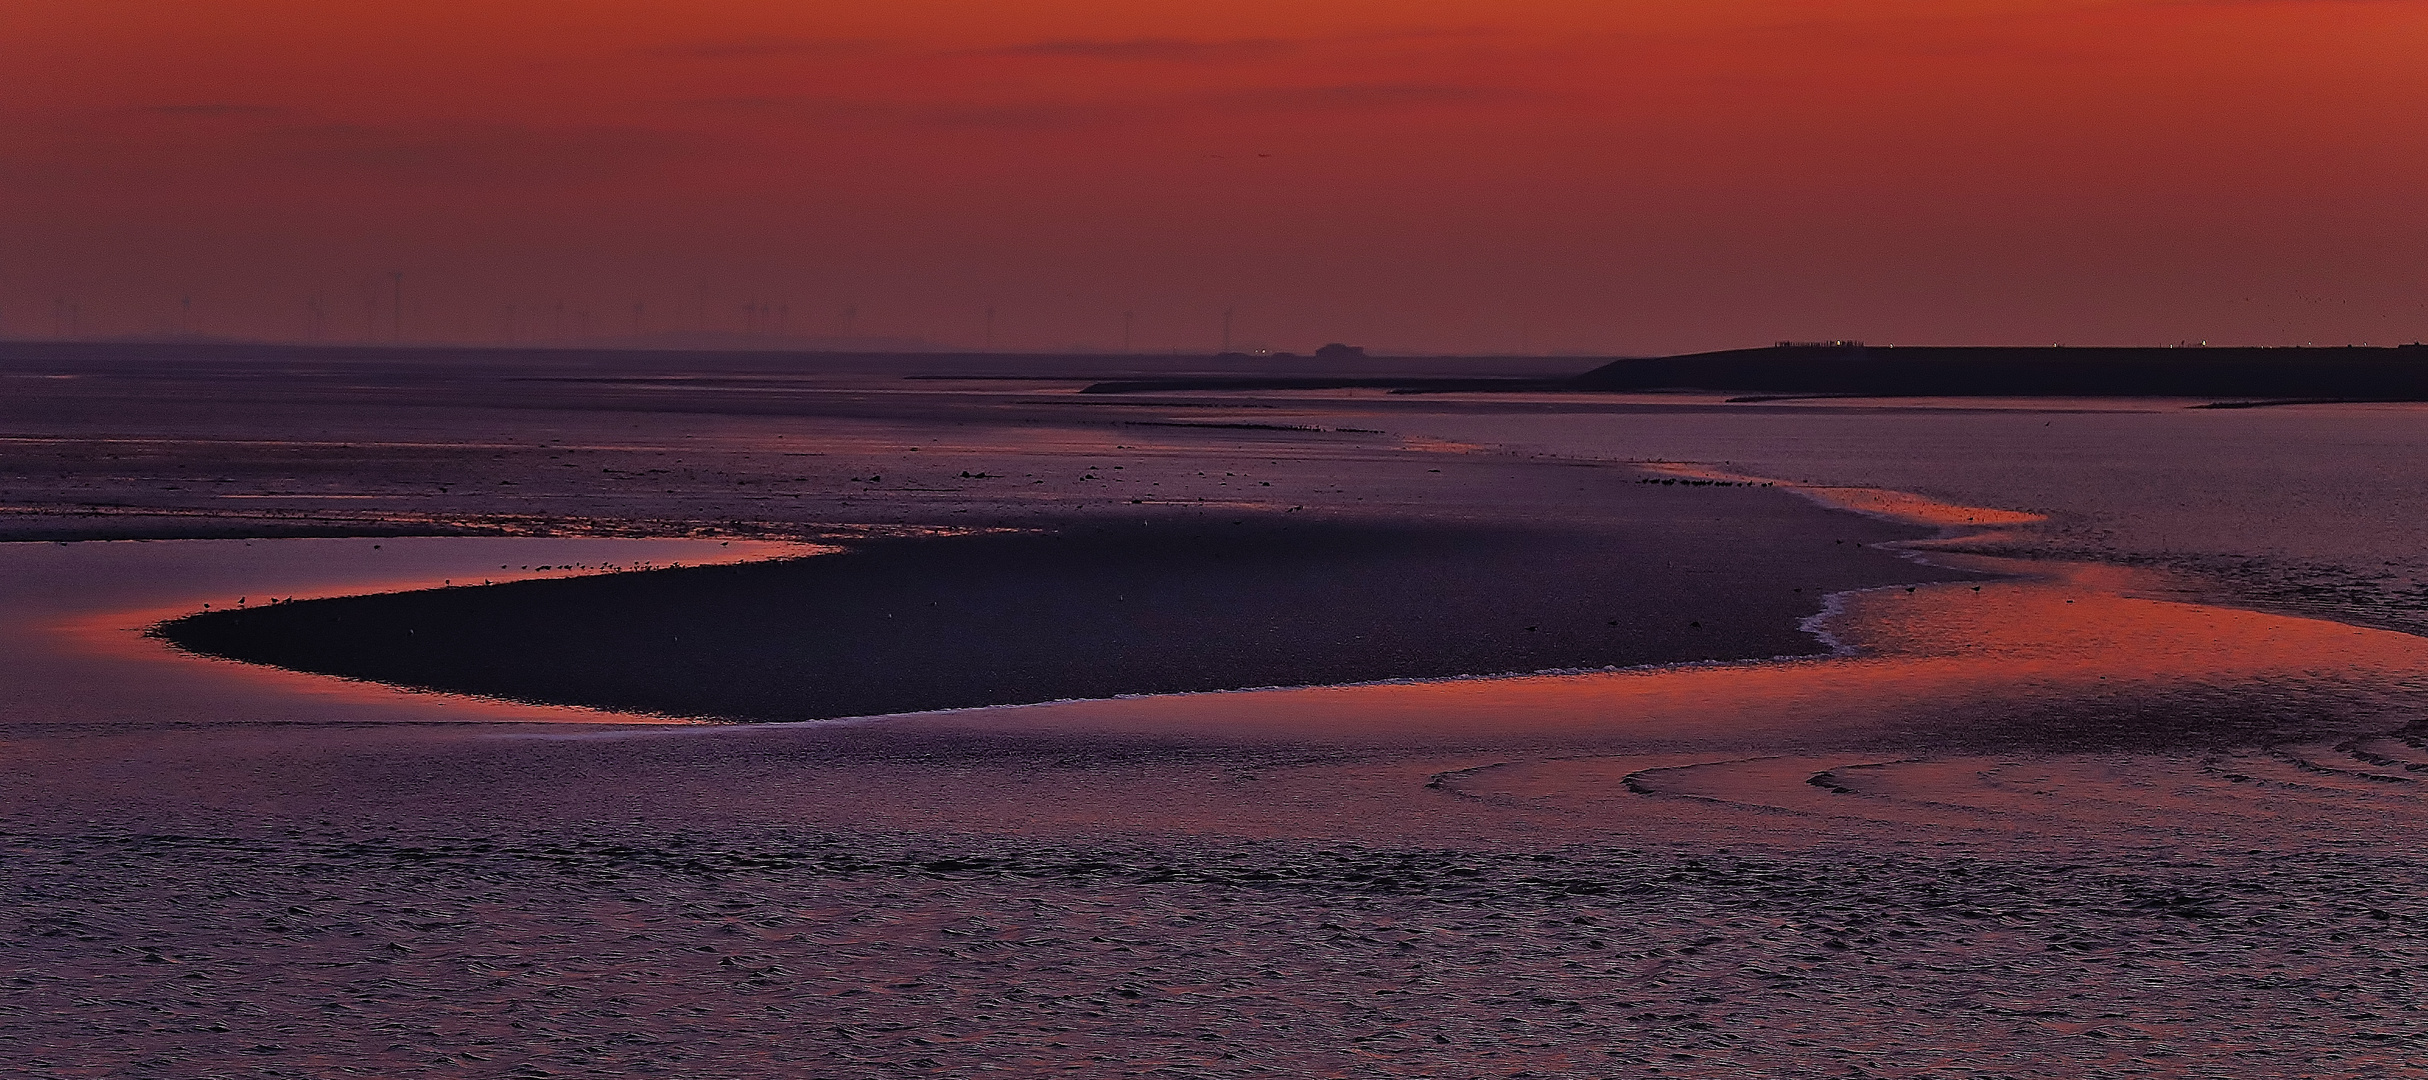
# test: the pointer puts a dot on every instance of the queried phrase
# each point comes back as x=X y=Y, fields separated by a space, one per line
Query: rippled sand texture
x=1892 y=863
x=2068 y=825
x=769 y=955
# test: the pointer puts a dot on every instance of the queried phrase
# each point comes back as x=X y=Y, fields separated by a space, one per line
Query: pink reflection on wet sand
x=78 y=652
x=1873 y=502
x=1950 y=664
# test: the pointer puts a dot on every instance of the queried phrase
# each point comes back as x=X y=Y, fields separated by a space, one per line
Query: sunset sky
x=1424 y=175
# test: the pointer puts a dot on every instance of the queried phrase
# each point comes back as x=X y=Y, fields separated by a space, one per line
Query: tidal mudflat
x=2084 y=791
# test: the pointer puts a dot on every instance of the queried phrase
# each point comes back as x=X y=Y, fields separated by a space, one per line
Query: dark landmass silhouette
x=2269 y=375
x=2235 y=376
x=2348 y=374
x=1407 y=383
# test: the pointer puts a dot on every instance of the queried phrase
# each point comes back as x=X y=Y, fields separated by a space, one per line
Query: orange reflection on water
x=96 y=651
x=1899 y=506
x=1931 y=665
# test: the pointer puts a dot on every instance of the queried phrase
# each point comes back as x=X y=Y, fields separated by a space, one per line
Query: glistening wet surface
x=1888 y=863
x=74 y=650
x=2072 y=824
x=831 y=955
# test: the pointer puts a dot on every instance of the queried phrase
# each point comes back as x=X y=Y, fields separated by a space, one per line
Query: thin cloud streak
x=1177 y=50
x=1164 y=50
x=756 y=48
x=2121 y=169
x=471 y=155
x=1071 y=114
x=209 y=109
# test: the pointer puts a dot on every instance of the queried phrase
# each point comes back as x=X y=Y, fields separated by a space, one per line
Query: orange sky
x=1421 y=174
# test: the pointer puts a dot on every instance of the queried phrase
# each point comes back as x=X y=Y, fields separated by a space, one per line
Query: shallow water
x=2060 y=826
x=73 y=650
x=2075 y=823
x=2066 y=659
x=2314 y=507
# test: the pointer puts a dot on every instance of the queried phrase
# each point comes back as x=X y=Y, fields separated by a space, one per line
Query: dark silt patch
x=1096 y=610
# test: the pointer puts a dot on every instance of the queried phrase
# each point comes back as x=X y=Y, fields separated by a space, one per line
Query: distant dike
x=2231 y=377
x=2353 y=373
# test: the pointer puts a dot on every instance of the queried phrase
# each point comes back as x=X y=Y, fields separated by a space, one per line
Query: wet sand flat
x=2071 y=824
x=1044 y=899
x=1674 y=872
x=74 y=651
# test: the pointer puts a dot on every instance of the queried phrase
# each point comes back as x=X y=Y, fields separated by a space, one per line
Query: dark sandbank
x=1101 y=609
